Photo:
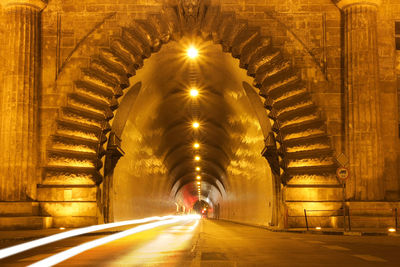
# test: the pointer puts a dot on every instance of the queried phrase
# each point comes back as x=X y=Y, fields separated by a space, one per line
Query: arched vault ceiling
x=164 y=112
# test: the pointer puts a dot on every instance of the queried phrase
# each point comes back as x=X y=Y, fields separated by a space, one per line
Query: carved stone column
x=363 y=136
x=19 y=104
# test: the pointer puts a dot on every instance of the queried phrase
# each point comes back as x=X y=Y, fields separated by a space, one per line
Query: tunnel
x=159 y=170
x=191 y=105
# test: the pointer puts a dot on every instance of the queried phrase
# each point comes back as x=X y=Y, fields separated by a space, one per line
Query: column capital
x=343 y=4
x=38 y=4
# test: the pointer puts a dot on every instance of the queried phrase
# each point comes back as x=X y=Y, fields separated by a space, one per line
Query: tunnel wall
x=249 y=197
x=140 y=173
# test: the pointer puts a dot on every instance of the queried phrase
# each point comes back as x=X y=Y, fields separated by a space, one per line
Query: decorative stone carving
x=191 y=13
x=270 y=152
x=342 y=4
x=114 y=153
x=37 y=4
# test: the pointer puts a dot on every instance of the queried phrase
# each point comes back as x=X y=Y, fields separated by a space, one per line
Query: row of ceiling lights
x=192 y=53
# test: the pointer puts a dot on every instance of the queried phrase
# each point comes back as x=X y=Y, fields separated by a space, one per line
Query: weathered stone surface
x=211 y=18
x=252 y=48
x=19 y=105
x=362 y=103
x=231 y=33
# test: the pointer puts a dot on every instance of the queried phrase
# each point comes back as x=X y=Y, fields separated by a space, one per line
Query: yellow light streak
x=158 y=249
x=6 y=252
x=62 y=256
x=392 y=230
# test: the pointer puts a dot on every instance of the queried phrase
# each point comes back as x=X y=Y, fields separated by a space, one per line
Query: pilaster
x=362 y=111
x=19 y=100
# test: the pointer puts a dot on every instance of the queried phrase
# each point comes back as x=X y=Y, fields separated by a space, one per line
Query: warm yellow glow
x=197 y=168
x=318 y=228
x=196 y=145
x=6 y=252
x=62 y=256
x=198 y=182
x=192 y=52
x=62 y=228
x=194 y=92
x=198 y=177
x=392 y=230
x=196 y=124
x=197 y=158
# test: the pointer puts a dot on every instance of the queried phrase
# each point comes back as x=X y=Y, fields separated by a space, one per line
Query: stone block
x=25 y=222
x=324 y=222
x=57 y=209
x=312 y=193
x=10 y=208
x=296 y=208
x=62 y=193
x=74 y=221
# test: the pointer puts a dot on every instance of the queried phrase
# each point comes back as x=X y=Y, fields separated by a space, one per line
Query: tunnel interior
x=171 y=165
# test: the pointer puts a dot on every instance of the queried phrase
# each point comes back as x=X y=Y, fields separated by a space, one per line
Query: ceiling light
x=194 y=92
x=197 y=168
x=196 y=145
x=192 y=52
x=198 y=177
x=197 y=158
x=195 y=124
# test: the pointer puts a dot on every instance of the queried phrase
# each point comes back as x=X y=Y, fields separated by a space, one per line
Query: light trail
x=62 y=256
x=6 y=252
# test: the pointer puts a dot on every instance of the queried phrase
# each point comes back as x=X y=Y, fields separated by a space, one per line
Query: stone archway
x=299 y=151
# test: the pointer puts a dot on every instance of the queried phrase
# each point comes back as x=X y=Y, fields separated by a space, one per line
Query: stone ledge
x=28 y=222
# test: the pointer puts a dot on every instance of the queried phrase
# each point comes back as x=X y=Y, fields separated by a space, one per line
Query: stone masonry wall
x=309 y=32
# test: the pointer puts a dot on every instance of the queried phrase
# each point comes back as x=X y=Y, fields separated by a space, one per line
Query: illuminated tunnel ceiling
x=164 y=112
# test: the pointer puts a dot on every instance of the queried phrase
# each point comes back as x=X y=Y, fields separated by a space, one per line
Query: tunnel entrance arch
x=298 y=150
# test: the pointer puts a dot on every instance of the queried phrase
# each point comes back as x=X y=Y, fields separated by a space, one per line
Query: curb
x=318 y=232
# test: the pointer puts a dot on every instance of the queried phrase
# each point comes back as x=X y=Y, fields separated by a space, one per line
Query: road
x=218 y=243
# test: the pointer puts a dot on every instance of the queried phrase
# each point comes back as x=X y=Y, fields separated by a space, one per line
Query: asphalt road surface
x=217 y=243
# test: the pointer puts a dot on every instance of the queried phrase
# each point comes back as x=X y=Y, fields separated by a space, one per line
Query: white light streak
x=62 y=256
x=6 y=252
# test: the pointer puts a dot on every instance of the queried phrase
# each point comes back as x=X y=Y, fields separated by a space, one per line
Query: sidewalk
x=328 y=231
x=337 y=231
